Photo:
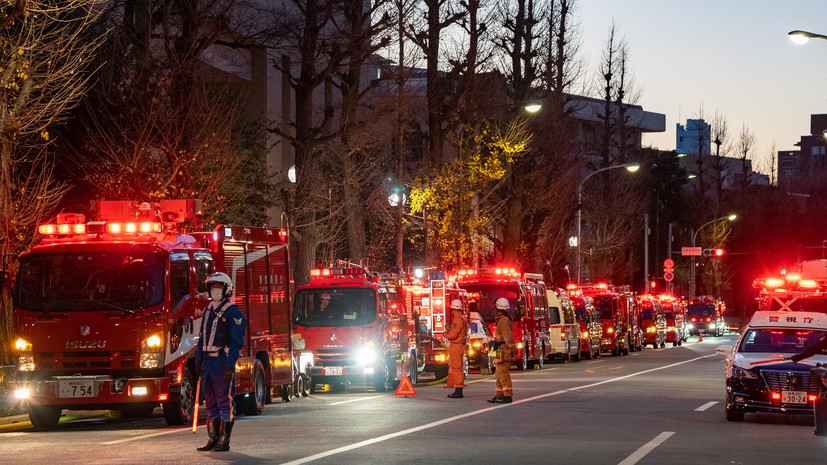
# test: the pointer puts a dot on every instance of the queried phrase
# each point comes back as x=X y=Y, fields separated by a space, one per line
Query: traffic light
x=717 y=253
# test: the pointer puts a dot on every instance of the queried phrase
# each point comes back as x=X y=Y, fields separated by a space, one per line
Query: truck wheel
x=305 y=385
x=44 y=417
x=413 y=374
x=299 y=389
x=485 y=365
x=523 y=366
x=380 y=378
x=252 y=403
x=180 y=410
x=541 y=361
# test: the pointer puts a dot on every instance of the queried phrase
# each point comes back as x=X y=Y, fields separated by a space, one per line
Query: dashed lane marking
x=145 y=436
x=646 y=448
x=353 y=400
x=705 y=406
x=642 y=451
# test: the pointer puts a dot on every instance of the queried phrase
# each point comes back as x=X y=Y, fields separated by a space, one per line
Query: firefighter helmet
x=223 y=279
x=502 y=304
x=456 y=304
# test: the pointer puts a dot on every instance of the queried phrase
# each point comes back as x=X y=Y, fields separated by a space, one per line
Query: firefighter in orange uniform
x=505 y=336
x=457 y=335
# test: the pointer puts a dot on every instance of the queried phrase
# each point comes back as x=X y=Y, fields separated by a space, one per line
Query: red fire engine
x=619 y=317
x=430 y=303
x=107 y=312
x=351 y=326
x=673 y=310
x=529 y=307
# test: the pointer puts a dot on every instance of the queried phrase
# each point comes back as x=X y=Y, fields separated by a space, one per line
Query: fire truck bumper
x=92 y=392
x=318 y=372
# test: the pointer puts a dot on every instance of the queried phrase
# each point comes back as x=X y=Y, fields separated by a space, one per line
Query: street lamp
x=801 y=37
x=631 y=167
x=731 y=217
x=688 y=177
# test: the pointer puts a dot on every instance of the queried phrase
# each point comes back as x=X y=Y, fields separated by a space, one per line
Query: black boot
x=224 y=437
x=457 y=394
x=212 y=431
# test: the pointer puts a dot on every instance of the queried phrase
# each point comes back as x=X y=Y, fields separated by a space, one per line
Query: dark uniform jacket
x=221 y=330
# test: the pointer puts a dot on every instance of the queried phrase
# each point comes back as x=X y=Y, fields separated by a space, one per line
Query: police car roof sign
x=810 y=320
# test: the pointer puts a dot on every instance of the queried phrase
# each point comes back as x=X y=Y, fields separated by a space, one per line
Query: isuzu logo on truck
x=85 y=344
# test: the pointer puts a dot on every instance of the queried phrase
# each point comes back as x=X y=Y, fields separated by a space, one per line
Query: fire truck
x=705 y=314
x=653 y=320
x=107 y=312
x=673 y=310
x=619 y=318
x=529 y=307
x=351 y=326
x=429 y=303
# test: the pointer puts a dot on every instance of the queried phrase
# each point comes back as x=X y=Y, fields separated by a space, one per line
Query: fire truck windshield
x=488 y=295
x=775 y=340
x=604 y=306
x=83 y=281
x=340 y=306
x=700 y=310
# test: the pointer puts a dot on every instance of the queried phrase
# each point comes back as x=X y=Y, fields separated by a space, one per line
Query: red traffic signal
x=717 y=253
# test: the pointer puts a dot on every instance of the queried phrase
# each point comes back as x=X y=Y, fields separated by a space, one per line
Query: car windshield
x=701 y=310
x=779 y=341
x=669 y=314
x=604 y=306
x=647 y=313
x=341 y=306
x=488 y=294
x=84 y=281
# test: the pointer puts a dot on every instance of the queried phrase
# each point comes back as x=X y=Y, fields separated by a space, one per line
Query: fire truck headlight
x=21 y=393
x=366 y=355
x=519 y=345
x=23 y=345
x=151 y=360
x=690 y=326
x=151 y=344
x=305 y=360
x=610 y=330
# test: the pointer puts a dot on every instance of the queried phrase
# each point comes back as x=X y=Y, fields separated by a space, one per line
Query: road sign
x=668 y=276
x=669 y=263
x=689 y=251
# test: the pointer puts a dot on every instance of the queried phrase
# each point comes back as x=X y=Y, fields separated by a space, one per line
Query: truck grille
x=333 y=357
x=91 y=359
x=787 y=380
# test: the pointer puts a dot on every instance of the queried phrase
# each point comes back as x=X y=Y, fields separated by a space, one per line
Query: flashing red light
x=708 y=319
x=602 y=286
x=719 y=252
x=776 y=396
x=808 y=284
x=47 y=229
x=693 y=319
x=812 y=397
x=114 y=228
x=653 y=284
x=774 y=282
x=793 y=277
x=162 y=397
x=571 y=286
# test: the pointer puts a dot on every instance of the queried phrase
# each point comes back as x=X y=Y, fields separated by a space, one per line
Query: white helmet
x=502 y=304
x=223 y=279
x=456 y=304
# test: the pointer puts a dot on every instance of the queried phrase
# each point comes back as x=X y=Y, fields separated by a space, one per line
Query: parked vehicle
x=705 y=315
x=652 y=321
x=564 y=327
x=479 y=344
x=590 y=327
x=107 y=312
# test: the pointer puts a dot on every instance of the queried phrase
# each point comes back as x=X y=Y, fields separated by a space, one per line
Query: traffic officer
x=814 y=349
x=505 y=336
x=457 y=335
x=220 y=341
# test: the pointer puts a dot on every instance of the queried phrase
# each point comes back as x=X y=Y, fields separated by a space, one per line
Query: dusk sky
x=732 y=56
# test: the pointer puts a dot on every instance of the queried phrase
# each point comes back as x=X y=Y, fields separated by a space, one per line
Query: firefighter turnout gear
x=505 y=337
x=221 y=338
x=457 y=335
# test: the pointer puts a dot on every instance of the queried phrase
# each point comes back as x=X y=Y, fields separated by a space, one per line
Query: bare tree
x=45 y=60
x=746 y=142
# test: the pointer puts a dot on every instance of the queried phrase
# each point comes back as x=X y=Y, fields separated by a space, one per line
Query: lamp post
x=688 y=177
x=631 y=167
x=692 y=264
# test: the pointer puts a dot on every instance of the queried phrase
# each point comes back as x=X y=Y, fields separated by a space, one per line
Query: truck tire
x=485 y=364
x=523 y=365
x=252 y=403
x=302 y=389
x=44 y=417
x=381 y=377
x=180 y=410
x=413 y=373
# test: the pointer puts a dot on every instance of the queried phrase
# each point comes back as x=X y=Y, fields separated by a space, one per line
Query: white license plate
x=794 y=397
x=333 y=371
x=76 y=387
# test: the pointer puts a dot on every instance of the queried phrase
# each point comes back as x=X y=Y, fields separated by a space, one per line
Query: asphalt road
x=660 y=406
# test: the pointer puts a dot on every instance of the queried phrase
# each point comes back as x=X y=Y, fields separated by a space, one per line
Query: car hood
x=775 y=361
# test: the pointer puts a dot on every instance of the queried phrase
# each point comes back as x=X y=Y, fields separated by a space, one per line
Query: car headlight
x=366 y=354
x=738 y=372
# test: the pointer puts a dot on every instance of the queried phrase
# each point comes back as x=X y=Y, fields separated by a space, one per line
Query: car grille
x=788 y=380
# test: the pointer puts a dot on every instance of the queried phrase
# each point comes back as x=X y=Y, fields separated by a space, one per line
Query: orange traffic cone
x=700 y=336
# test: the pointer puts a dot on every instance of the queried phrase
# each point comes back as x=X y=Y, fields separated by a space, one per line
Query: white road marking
x=595 y=361
x=354 y=400
x=646 y=448
x=434 y=424
x=145 y=436
x=706 y=406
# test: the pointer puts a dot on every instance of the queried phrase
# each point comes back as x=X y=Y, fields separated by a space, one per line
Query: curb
x=15 y=421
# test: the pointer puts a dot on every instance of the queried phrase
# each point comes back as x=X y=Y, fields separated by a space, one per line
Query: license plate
x=794 y=397
x=76 y=387
x=333 y=371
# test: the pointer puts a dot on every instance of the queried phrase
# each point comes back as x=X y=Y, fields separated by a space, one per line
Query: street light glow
x=533 y=106
x=632 y=167
x=732 y=217
x=692 y=176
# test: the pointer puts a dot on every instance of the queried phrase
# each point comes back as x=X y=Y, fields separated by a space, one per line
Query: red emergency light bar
x=339 y=272
x=790 y=284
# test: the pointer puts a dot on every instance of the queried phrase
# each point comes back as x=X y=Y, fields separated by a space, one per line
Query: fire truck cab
x=350 y=326
x=653 y=321
x=705 y=315
x=526 y=294
x=107 y=312
x=673 y=310
x=616 y=316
